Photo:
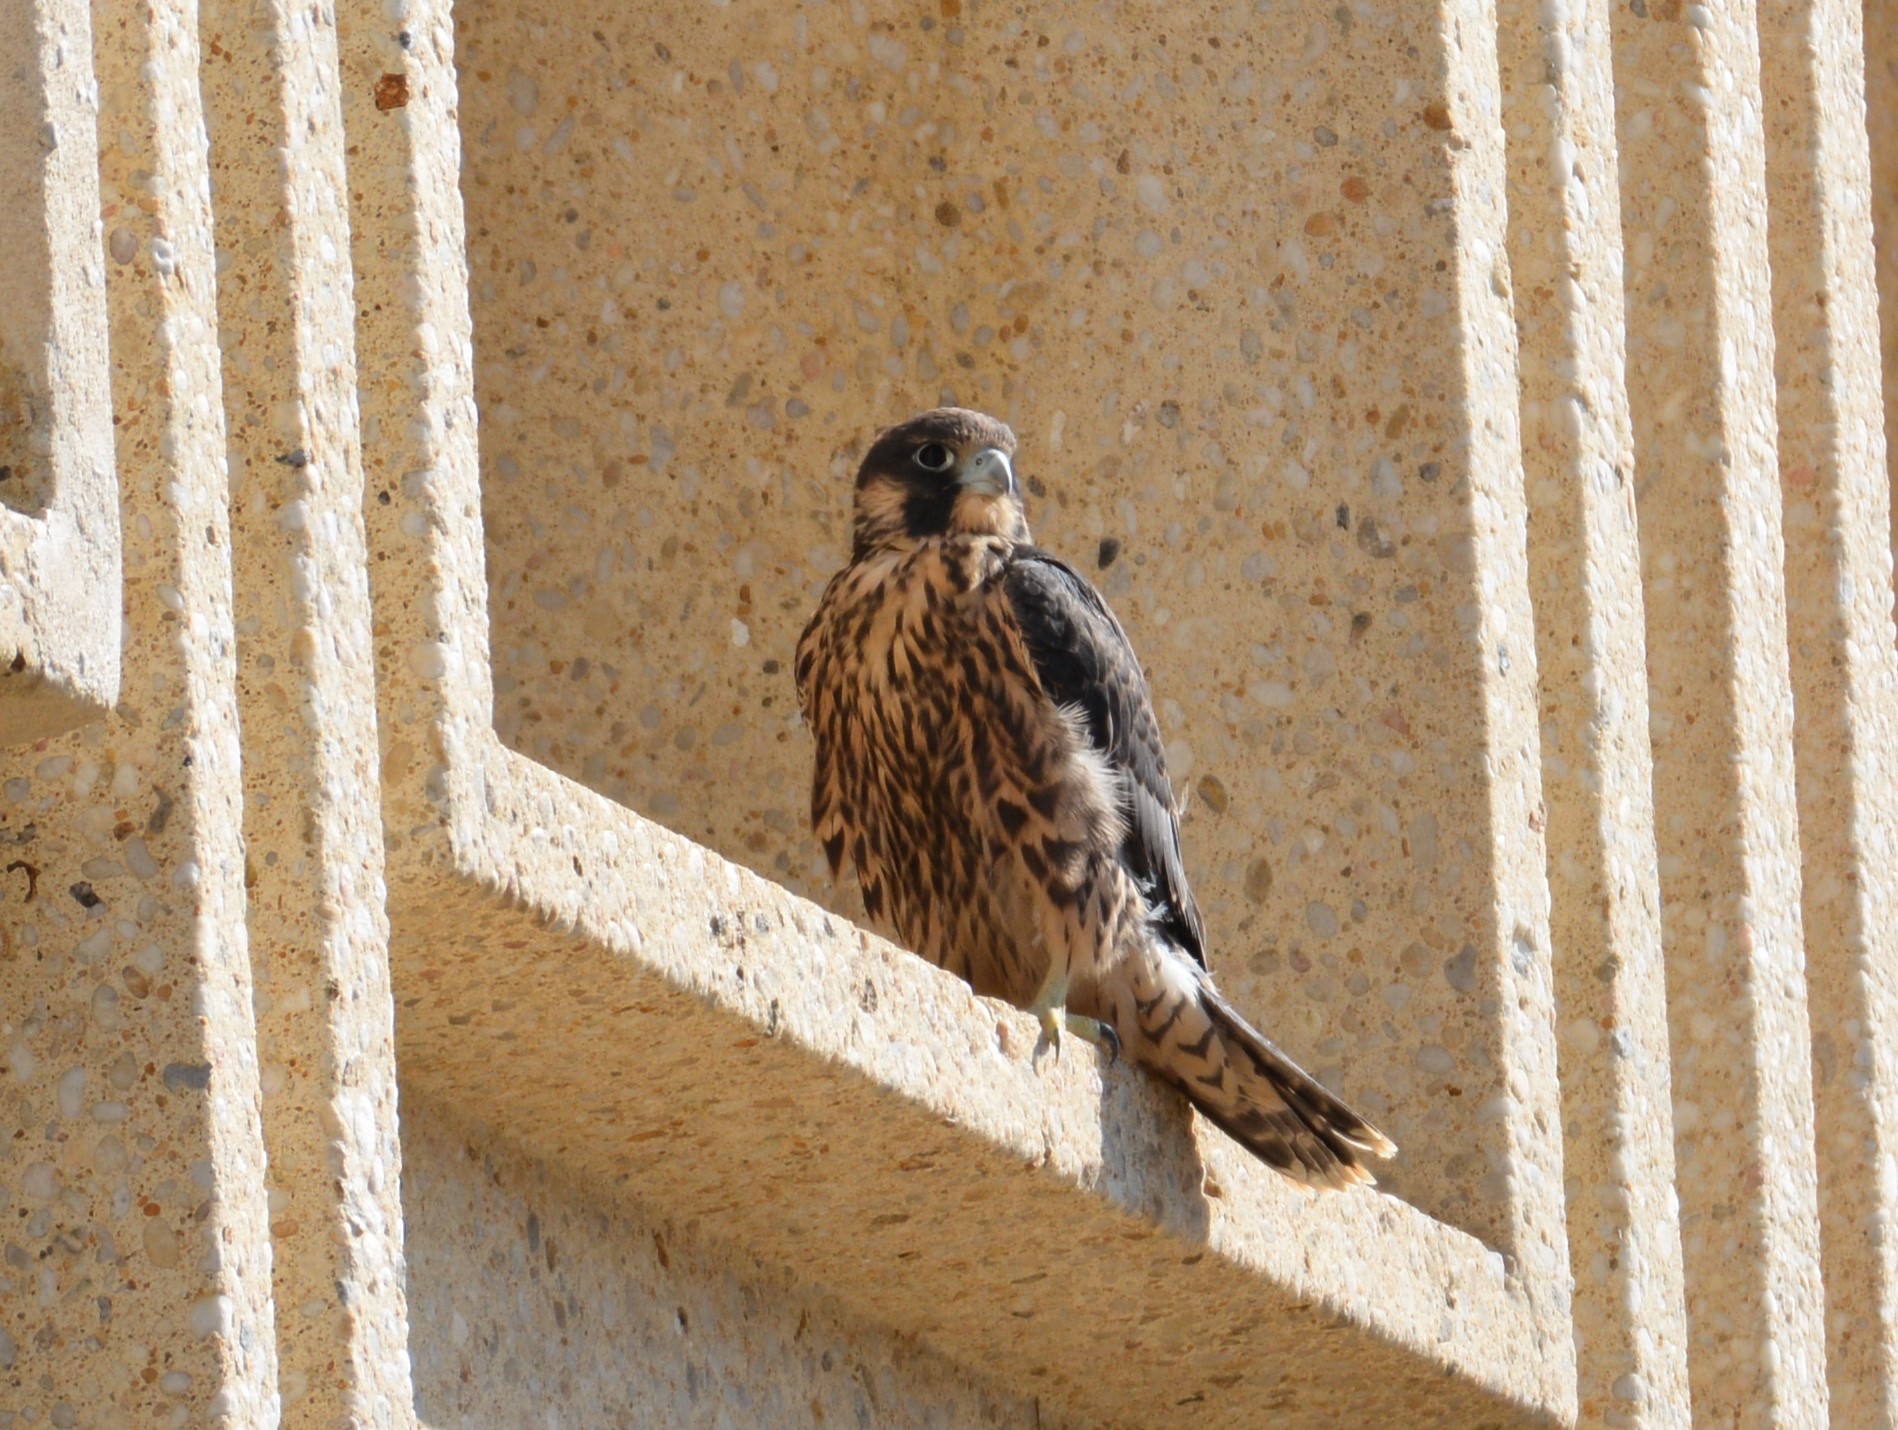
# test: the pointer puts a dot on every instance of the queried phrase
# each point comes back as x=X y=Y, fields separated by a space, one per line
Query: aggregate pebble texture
x=59 y=506
x=1585 y=561
x=135 y=1289
x=1699 y=336
x=678 y=1146
x=1836 y=500
x=313 y=858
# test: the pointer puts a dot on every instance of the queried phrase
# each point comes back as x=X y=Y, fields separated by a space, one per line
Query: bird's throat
x=988 y=514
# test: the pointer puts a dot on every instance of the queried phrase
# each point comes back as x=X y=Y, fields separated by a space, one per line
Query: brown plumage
x=989 y=763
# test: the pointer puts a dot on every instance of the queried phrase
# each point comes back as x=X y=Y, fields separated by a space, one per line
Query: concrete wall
x=429 y=429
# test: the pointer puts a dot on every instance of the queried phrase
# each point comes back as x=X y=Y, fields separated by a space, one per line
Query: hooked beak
x=988 y=472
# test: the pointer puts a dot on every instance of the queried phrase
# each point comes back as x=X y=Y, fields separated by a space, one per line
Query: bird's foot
x=1101 y=1035
x=1050 y=1020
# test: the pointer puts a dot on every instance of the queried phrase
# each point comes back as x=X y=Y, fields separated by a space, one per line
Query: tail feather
x=1185 y=1031
x=1275 y=1104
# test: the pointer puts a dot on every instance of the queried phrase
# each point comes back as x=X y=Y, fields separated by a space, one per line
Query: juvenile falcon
x=989 y=762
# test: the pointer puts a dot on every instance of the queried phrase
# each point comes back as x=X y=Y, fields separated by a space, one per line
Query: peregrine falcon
x=988 y=760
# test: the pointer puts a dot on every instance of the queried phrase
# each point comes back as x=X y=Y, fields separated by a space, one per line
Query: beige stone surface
x=1699 y=299
x=1836 y=501
x=59 y=507
x=1406 y=374
x=1566 y=263
x=313 y=860
x=136 y=1283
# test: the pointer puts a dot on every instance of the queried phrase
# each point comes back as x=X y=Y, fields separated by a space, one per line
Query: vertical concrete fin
x=312 y=794
x=1503 y=635
x=59 y=507
x=1585 y=563
x=1835 y=496
x=139 y=1270
x=1698 y=288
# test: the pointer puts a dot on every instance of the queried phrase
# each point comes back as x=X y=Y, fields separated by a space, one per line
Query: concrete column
x=314 y=858
x=1700 y=349
x=1585 y=567
x=137 y=1255
x=1835 y=497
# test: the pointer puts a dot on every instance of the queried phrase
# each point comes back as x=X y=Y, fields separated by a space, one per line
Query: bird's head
x=947 y=472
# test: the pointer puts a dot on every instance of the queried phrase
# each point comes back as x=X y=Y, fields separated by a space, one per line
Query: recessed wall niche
x=711 y=251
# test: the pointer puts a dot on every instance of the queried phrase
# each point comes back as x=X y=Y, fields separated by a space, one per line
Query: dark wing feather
x=1085 y=660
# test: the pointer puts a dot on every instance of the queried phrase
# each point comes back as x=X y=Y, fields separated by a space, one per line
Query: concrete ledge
x=670 y=1027
x=59 y=526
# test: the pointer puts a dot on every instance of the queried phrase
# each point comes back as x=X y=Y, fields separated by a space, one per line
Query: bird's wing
x=818 y=701
x=1085 y=661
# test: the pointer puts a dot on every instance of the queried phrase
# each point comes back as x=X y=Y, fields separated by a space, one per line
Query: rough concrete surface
x=1694 y=221
x=1584 y=557
x=137 y=1251
x=313 y=864
x=423 y=434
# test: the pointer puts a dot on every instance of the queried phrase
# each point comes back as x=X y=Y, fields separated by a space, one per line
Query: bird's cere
x=990 y=472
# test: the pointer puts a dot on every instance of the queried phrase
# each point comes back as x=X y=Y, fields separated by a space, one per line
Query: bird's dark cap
x=955 y=427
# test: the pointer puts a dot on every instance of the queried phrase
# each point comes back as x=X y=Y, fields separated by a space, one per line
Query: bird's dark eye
x=934 y=457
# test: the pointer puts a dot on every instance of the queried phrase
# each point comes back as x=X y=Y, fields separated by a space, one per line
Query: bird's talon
x=1100 y=1034
x=1050 y=1020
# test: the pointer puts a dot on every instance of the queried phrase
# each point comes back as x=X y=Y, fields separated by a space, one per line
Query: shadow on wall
x=524 y=1295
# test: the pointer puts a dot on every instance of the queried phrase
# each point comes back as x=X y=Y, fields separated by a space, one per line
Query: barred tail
x=1232 y=1073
